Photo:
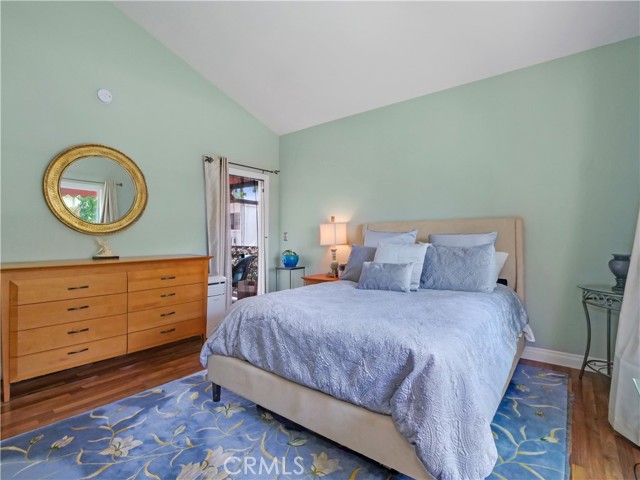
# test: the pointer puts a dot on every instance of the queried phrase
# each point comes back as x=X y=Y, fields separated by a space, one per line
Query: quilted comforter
x=435 y=360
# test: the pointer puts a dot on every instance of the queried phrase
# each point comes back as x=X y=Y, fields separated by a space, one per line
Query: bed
x=367 y=427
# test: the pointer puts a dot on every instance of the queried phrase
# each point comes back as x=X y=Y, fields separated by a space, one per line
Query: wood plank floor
x=44 y=400
x=598 y=453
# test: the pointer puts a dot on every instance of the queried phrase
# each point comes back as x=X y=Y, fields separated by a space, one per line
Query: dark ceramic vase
x=619 y=266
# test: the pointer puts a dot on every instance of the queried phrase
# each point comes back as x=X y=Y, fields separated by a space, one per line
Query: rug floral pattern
x=531 y=427
x=176 y=431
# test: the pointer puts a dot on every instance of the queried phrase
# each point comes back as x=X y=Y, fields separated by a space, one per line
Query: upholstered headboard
x=510 y=239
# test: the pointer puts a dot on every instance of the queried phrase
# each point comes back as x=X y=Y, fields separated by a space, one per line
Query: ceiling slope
x=294 y=65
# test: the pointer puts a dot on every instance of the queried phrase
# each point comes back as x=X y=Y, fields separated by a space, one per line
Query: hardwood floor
x=44 y=400
x=598 y=453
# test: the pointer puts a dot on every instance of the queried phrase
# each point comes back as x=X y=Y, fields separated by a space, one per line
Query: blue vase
x=290 y=261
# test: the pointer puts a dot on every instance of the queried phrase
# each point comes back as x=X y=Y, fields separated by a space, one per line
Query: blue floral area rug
x=176 y=431
x=532 y=427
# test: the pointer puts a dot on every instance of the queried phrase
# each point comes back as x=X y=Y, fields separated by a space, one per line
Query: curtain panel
x=216 y=177
x=109 y=212
x=624 y=398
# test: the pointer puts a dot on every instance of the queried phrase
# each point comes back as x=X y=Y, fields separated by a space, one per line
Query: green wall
x=164 y=115
x=556 y=143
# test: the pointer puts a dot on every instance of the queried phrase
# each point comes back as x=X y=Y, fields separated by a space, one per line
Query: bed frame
x=372 y=434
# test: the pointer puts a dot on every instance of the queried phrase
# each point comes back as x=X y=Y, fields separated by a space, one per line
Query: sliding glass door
x=247 y=207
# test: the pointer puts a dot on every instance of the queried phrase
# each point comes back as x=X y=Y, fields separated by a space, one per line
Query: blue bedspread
x=435 y=360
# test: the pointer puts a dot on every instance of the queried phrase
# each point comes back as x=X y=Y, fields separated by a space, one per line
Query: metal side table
x=289 y=269
x=601 y=296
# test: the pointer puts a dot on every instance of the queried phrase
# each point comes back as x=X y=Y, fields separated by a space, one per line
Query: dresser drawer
x=168 y=276
x=42 y=363
x=39 y=290
x=25 y=317
x=157 y=317
x=36 y=340
x=165 y=334
x=158 y=297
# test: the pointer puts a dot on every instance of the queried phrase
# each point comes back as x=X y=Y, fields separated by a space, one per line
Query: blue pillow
x=359 y=254
x=372 y=237
x=466 y=269
x=386 y=276
x=463 y=239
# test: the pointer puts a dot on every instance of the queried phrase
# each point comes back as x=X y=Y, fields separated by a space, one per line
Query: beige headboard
x=510 y=239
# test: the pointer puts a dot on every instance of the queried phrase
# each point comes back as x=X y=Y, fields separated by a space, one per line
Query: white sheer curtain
x=216 y=180
x=109 y=205
x=624 y=399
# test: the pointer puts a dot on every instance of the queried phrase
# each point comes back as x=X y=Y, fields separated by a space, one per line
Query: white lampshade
x=333 y=234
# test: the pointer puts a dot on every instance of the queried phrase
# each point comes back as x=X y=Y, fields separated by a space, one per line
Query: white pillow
x=501 y=259
x=404 y=253
x=372 y=237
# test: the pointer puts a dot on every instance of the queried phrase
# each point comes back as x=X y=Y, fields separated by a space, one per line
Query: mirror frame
x=54 y=173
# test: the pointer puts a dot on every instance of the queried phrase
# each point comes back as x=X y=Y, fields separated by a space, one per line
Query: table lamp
x=333 y=234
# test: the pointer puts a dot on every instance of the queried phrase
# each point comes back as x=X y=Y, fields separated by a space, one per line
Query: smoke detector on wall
x=105 y=95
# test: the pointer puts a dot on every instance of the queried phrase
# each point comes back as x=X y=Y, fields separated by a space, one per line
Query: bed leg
x=215 y=392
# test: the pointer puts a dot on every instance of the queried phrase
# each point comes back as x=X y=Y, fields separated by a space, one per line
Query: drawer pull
x=78 y=288
x=71 y=332
x=165 y=295
x=168 y=278
x=167 y=314
x=168 y=331
x=83 y=307
x=78 y=351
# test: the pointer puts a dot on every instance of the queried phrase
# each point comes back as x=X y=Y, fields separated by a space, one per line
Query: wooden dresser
x=62 y=314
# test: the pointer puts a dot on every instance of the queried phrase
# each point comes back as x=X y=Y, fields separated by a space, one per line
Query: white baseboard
x=554 y=357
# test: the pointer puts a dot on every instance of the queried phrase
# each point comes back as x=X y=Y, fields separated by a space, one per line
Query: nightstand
x=289 y=269
x=318 y=278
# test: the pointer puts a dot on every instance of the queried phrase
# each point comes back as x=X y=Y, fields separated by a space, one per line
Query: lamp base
x=334 y=270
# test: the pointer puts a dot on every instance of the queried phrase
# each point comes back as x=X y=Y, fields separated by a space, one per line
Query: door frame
x=263 y=233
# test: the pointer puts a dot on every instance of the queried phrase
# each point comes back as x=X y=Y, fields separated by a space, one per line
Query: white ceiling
x=294 y=65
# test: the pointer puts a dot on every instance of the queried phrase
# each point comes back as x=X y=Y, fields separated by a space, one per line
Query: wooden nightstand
x=318 y=278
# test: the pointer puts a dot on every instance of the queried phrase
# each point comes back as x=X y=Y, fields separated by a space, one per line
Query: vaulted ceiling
x=294 y=65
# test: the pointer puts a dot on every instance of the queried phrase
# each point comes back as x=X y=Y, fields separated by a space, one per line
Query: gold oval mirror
x=95 y=189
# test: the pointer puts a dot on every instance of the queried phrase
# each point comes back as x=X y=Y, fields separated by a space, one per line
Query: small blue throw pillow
x=386 y=276
x=465 y=269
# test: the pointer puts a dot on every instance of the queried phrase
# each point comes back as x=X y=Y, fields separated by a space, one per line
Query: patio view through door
x=248 y=232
